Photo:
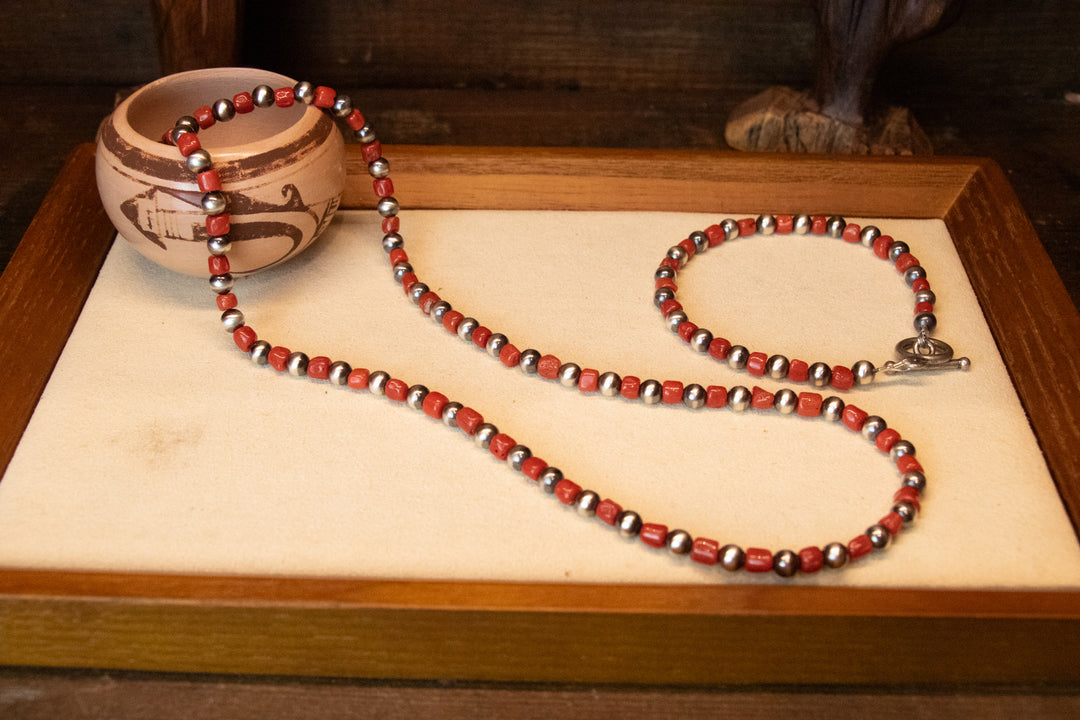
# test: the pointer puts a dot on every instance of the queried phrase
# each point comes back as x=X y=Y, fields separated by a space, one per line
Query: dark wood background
x=632 y=74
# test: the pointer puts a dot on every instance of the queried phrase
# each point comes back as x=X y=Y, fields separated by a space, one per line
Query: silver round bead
x=213 y=203
x=569 y=374
x=651 y=392
x=377 y=382
x=218 y=244
x=517 y=456
x=366 y=134
x=466 y=328
x=868 y=235
x=906 y=510
x=832 y=409
x=342 y=106
x=529 y=361
x=232 y=319
x=785 y=563
x=339 y=373
x=262 y=96
x=296 y=364
x=675 y=319
x=414 y=396
x=802 y=224
x=693 y=396
x=665 y=272
x=449 y=413
x=913 y=273
x=896 y=249
x=186 y=123
x=819 y=374
x=834 y=555
x=737 y=357
x=864 y=372
x=739 y=398
x=679 y=542
x=392 y=241
x=586 y=503
x=629 y=523
x=223 y=110
x=732 y=557
x=766 y=224
x=872 y=427
x=609 y=384
x=401 y=269
x=925 y=322
x=901 y=448
x=700 y=240
x=198 y=161
x=496 y=343
x=221 y=283
x=925 y=296
x=834 y=226
x=417 y=291
x=260 y=352
x=677 y=252
x=730 y=226
x=777 y=367
x=786 y=401
x=379 y=168
x=388 y=207
x=700 y=340
x=549 y=478
x=914 y=479
x=662 y=295
x=304 y=92
x=484 y=433
x=439 y=310
x=879 y=536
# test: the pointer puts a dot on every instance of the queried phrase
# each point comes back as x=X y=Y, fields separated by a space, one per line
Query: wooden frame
x=588 y=633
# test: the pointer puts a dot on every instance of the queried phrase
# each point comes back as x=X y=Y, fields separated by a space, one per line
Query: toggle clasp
x=924 y=353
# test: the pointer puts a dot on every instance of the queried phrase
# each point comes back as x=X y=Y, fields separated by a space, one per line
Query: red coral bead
x=705 y=551
x=906 y=261
x=893 y=522
x=589 y=380
x=217 y=225
x=859 y=546
x=434 y=403
x=408 y=280
x=881 y=246
x=854 y=417
x=204 y=116
x=716 y=235
x=631 y=387
x=244 y=337
x=397 y=255
x=209 y=180
x=670 y=262
x=389 y=225
x=669 y=306
x=355 y=120
x=278 y=356
x=784 y=224
x=761 y=398
x=810 y=559
x=886 y=439
x=851 y=233
x=608 y=511
x=480 y=336
x=468 y=420
x=747 y=226
x=758 y=560
x=187 y=143
x=427 y=301
x=689 y=247
x=226 y=301
x=654 y=534
x=908 y=463
x=384 y=187
x=219 y=264
x=809 y=404
x=501 y=445
x=672 y=392
x=358 y=378
x=532 y=467
x=243 y=103
x=842 y=377
x=510 y=356
x=319 y=368
x=324 y=97
x=924 y=307
x=686 y=330
x=396 y=390
x=819 y=224
x=548 y=367
x=715 y=396
x=665 y=282
x=755 y=364
x=920 y=285
x=371 y=152
x=283 y=97
x=719 y=348
x=567 y=491
x=451 y=320
x=798 y=371
x=908 y=494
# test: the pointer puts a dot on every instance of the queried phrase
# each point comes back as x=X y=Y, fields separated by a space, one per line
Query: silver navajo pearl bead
x=218 y=245
x=802 y=224
x=186 y=124
x=549 y=478
x=484 y=433
x=260 y=352
x=365 y=134
x=417 y=291
x=834 y=555
x=586 y=503
x=414 y=396
x=297 y=364
x=379 y=168
x=730 y=227
x=529 y=361
x=222 y=283
x=777 y=366
x=517 y=456
x=198 y=161
x=901 y=448
x=679 y=542
x=872 y=427
x=700 y=240
x=342 y=106
x=677 y=252
x=569 y=374
x=737 y=357
x=925 y=322
x=675 y=319
x=662 y=295
x=925 y=296
x=377 y=382
x=400 y=270
x=785 y=563
x=906 y=510
x=339 y=373
x=739 y=398
x=629 y=523
x=438 y=310
x=213 y=203
x=693 y=396
x=449 y=413
x=834 y=226
x=651 y=392
x=879 y=536
x=766 y=224
x=786 y=401
x=388 y=207
x=832 y=409
x=864 y=372
x=304 y=92
x=732 y=557
x=868 y=235
x=610 y=384
x=392 y=241
x=466 y=328
x=913 y=273
x=700 y=340
x=496 y=343
x=819 y=374
x=223 y=110
x=896 y=249
x=262 y=96
x=232 y=319
x=665 y=272
x=914 y=479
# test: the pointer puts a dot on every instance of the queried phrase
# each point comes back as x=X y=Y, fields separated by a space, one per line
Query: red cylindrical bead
x=219 y=264
x=319 y=368
x=819 y=224
x=908 y=494
x=204 y=116
x=670 y=262
x=244 y=337
x=608 y=511
x=672 y=392
x=500 y=445
x=705 y=551
x=719 y=348
x=886 y=439
x=747 y=226
x=761 y=399
x=397 y=255
x=277 y=357
x=859 y=546
x=226 y=302
x=209 y=180
x=842 y=377
x=371 y=151
x=391 y=225
x=666 y=282
x=358 y=378
x=243 y=103
x=920 y=285
x=669 y=306
x=924 y=307
x=908 y=463
x=905 y=261
x=510 y=356
x=480 y=336
x=187 y=143
x=384 y=187
x=686 y=330
x=631 y=387
x=217 y=225
x=851 y=233
x=784 y=224
x=893 y=522
x=427 y=301
x=468 y=420
x=434 y=403
x=810 y=559
x=758 y=560
x=408 y=280
x=716 y=235
x=548 y=367
x=854 y=417
x=589 y=380
x=654 y=534
x=355 y=120
x=567 y=491
x=881 y=246
x=809 y=404
x=396 y=389
x=689 y=247
x=798 y=371
x=451 y=320
x=755 y=364
x=283 y=97
x=532 y=467
x=323 y=97
x=715 y=396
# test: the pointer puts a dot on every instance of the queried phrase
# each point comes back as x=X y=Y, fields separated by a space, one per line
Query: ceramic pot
x=282 y=169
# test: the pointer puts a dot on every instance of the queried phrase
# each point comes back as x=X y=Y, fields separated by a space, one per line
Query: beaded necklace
x=919 y=353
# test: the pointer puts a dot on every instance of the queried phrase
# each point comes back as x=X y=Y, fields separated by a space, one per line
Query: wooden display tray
x=681 y=634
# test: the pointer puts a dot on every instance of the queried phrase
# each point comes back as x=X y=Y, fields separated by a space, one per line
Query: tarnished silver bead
x=677 y=252
x=737 y=357
x=766 y=224
x=260 y=352
x=896 y=249
x=819 y=374
x=198 y=161
x=785 y=563
x=232 y=319
x=665 y=272
x=439 y=310
x=366 y=134
x=377 y=382
x=730 y=227
x=651 y=392
x=693 y=396
x=700 y=240
x=517 y=456
x=802 y=224
x=400 y=269
x=834 y=555
x=213 y=203
x=304 y=92
x=392 y=241
x=662 y=295
x=185 y=124
x=416 y=291
x=675 y=319
x=868 y=235
x=914 y=479
x=342 y=106
x=913 y=273
x=906 y=510
x=777 y=367
x=339 y=373
x=388 y=207
x=609 y=384
x=926 y=295
x=786 y=401
x=218 y=244
x=925 y=322
x=223 y=110
x=700 y=340
x=296 y=364
x=449 y=413
x=586 y=503
x=549 y=478
x=569 y=374
x=466 y=328
x=832 y=409
x=739 y=398
x=414 y=396
x=529 y=361
x=262 y=96
x=879 y=536
x=864 y=372
x=679 y=542
x=221 y=283
x=732 y=557
x=379 y=168
x=834 y=226
x=629 y=523
x=495 y=344
x=872 y=427
x=484 y=433
x=901 y=448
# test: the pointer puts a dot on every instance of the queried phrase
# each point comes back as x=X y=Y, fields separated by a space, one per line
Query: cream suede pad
x=158 y=447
